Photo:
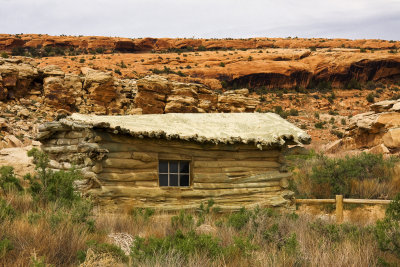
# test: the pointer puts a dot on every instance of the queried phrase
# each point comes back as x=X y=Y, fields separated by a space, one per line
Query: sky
x=353 y=19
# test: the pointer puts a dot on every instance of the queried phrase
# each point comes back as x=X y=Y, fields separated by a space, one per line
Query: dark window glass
x=163 y=179
x=173 y=180
x=184 y=180
x=163 y=166
x=173 y=167
x=184 y=167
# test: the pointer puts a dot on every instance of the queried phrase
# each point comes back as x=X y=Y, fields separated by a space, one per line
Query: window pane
x=173 y=180
x=163 y=166
x=184 y=167
x=184 y=180
x=173 y=166
x=163 y=179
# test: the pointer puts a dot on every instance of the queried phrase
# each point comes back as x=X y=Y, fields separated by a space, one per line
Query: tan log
x=126 y=170
x=257 y=164
x=141 y=176
x=231 y=185
x=178 y=192
x=120 y=155
x=129 y=164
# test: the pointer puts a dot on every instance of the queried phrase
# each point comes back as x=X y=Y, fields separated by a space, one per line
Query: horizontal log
x=222 y=164
x=231 y=185
x=129 y=164
x=134 y=176
x=173 y=156
x=126 y=170
x=314 y=201
x=180 y=192
x=366 y=201
x=267 y=174
x=150 y=184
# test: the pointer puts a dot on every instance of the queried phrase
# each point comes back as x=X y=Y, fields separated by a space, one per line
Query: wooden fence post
x=339 y=208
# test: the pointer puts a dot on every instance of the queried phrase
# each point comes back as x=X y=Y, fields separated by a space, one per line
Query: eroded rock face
x=63 y=92
x=236 y=101
x=377 y=131
x=158 y=95
x=98 y=92
x=16 y=78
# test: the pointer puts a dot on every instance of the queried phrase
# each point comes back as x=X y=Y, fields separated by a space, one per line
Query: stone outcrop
x=236 y=101
x=377 y=131
x=99 y=92
x=158 y=95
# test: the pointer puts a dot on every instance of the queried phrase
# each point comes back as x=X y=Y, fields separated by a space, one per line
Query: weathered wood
x=257 y=164
x=129 y=164
x=134 y=176
x=127 y=191
x=233 y=185
x=366 y=201
x=244 y=177
x=127 y=170
x=339 y=208
x=314 y=201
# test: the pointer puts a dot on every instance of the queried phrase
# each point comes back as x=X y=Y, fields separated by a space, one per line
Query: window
x=173 y=173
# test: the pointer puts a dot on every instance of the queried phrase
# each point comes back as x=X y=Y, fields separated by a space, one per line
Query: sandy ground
x=17 y=157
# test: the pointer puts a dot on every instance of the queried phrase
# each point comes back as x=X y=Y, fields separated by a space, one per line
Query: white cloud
x=206 y=18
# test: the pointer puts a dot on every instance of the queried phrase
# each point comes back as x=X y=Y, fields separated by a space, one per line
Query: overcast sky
x=375 y=19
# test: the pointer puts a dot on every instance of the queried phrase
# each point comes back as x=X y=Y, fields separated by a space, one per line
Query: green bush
x=4 y=54
x=387 y=231
x=8 y=180
x=184 y=244
x=7 y=213
x=145 y=214
x=101 y=248
x=353 y=84
x=370 y=97
x=334 y=175
x=49 y=186
x=239 y=219
x=5 y=246
x=183 y=220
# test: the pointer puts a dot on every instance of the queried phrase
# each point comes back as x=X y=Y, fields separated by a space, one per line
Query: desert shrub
x=117 y=71
x=387 y=231
x=49 y=186
x=339 y=134
x=142 y=213
x=7 y=213
x=222 y=64
x=294 y=112
x=370 y=97
x=4 y=54
x=8 y=180
x=239 y=219
x=5 y=246
x=320 y=124
x=183 y=220
x=82 y=60
x=334 y=176
x=353 y=84
x=185 y=244
x=104 y=248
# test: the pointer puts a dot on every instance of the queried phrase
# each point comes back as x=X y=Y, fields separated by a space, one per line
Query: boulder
x=392 y=138
x=379 y=149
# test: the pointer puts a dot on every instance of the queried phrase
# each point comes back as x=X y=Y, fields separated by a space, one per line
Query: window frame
x=179 y=173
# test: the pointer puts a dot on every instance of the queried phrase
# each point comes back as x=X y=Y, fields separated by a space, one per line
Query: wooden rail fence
x=339 y=201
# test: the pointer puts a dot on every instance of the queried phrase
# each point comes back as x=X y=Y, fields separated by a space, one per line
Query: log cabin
x=176 y=161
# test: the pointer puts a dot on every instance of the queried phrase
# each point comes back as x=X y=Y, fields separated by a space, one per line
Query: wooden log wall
x=123 y=171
